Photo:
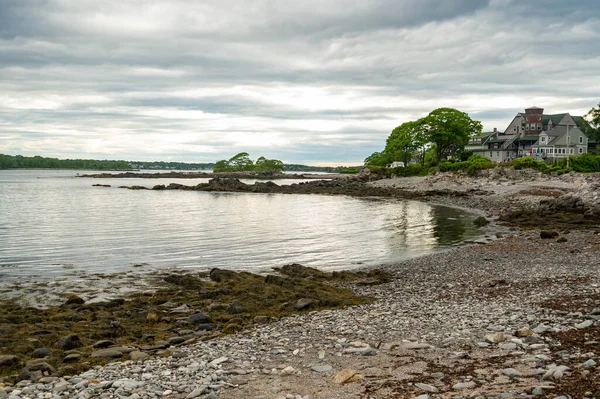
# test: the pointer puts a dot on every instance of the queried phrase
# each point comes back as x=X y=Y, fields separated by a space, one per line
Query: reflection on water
x=52 y=222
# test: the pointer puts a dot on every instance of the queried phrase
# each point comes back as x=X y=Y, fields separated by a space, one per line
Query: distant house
x=533 y=133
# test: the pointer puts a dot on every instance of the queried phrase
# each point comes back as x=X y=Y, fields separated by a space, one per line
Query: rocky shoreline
x=210 y=175
x=515 y=317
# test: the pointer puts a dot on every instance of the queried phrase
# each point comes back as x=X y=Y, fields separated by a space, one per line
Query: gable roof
x=559 y=136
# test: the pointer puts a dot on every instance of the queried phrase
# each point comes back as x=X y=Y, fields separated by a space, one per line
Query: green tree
x=378 y=159
x=404 y=142
x=590 y=125
x=241 y=162
x=449 y=129
x=268 y=165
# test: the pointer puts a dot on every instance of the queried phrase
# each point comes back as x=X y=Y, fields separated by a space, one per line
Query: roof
x=555 y=118
x=529 y=138
x=559 y=134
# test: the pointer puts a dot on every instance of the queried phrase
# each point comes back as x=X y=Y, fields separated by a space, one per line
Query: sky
x=318 y=82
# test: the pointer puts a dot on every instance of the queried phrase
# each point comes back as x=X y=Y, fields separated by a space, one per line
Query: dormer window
x=542 y=139
x=539 y=126
x=526 y=127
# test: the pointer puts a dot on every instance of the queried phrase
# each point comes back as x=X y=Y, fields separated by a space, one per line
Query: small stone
x=108 y=353
x=496 y=337
x=426 y=387
x=464 y=385
x=72 y=358
x=41 y=352
x=584 y=324
x=343 y=376
x=102 y=344
x=137 y=356
x=321 y=368
x=588 y=364
x=304 y=303
x=511 y=372
x=289 y=370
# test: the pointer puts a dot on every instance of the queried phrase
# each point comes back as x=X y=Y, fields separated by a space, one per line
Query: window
x=498 y=154
x=514 y=128
x=542 y=139
x=539 y=126
x=490 y=154
x=580 y=150
x=532 y=126
x=570 y=150
x=526 y=127
x=580 y=139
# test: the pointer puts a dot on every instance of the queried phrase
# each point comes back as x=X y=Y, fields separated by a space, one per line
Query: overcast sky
x=310 y=81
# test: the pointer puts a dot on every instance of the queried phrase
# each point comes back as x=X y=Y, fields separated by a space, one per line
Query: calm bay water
x=52 y=222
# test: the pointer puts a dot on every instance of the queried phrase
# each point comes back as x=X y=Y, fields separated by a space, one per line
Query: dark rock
x=72 y=358
x=548 y=234
x=107 y=353
x=205 y=327
x=8 y=360
x=562 y=239
x=176 y=340
x=280 y=281
x=304 y=303
x=25 y=374
x=69 y=342
x=480 y=221
x=39 y=365
x=220 y=275
x=198 y=318
x=41 y=352
x=235 y=307
x=261 y=319
x=159 y=187
x=74 y=300
x=102 y=344
x=299 y=271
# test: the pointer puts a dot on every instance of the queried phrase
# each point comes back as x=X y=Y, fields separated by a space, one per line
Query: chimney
x=533 y=119
x=495 y=130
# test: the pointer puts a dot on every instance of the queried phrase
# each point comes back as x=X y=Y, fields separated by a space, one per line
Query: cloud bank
x=306 y=82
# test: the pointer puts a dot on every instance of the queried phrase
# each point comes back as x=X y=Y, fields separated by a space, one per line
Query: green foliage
x=350 y=171
x=591 y=125
x=463 y=155
x=585 y=163
x=411 y=170
x=242 y=163
x=37 y=162
x=404 y=142
x=530 y=163
x=471 y=166
x=378 y=159
x=449 y=129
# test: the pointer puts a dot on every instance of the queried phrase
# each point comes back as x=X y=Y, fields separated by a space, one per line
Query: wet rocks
x=70 y=341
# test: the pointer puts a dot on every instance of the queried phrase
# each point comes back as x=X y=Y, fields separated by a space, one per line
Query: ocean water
x=53 y=222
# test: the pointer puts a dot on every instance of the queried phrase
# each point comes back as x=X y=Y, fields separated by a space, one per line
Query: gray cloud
x=300 y=81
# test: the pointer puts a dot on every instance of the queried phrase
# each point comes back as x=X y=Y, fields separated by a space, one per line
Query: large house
x=533 y=133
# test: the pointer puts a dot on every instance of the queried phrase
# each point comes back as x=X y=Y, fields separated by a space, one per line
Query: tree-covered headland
x=37 y=162
x=242 y=163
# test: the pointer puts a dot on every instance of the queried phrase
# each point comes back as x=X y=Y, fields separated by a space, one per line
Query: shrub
x=349 y=171
x=531 y=163
x=473 y=164
x=585 y=163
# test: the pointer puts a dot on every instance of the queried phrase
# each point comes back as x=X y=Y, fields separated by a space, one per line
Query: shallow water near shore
x=55 y=225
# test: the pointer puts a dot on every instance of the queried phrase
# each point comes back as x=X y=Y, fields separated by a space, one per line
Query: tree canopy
x=591 y=124
x=19 y=161
x=241 y=163
x=444 y=131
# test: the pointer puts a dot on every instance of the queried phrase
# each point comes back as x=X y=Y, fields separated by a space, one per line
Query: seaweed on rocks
x=185 y=308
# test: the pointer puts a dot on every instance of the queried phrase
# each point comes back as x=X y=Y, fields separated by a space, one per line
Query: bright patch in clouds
x=305 y=82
